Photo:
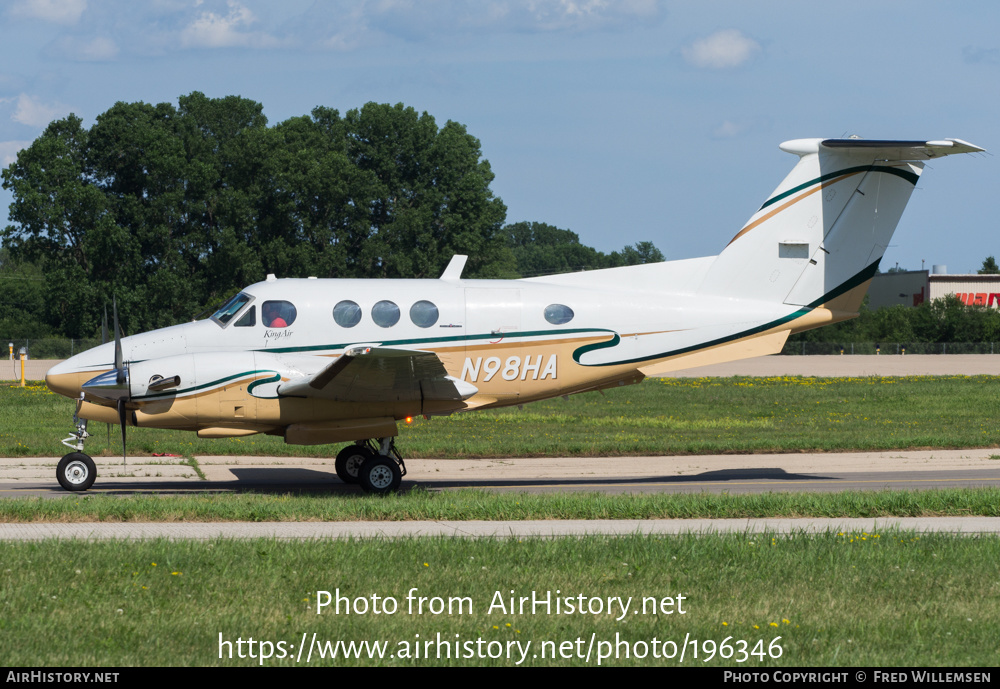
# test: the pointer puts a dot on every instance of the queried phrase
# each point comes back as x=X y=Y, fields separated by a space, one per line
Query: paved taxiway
x=716 y=473
x=965 y=526
x=805 y=472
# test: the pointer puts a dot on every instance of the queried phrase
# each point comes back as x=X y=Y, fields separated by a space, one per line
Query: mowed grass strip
x=658 y=417
x=470 y=504
x=888 y=599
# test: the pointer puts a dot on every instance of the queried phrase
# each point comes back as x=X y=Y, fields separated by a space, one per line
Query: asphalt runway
x=799 y=472
x=816 y=472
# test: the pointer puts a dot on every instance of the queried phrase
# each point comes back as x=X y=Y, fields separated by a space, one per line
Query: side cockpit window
x=248 y=319
x=278 y=314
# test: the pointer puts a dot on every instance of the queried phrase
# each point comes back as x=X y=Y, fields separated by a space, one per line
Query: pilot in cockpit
x=272 y=316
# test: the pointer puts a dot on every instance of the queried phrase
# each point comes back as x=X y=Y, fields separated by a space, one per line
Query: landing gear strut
x=377 y=468
x=76 y=471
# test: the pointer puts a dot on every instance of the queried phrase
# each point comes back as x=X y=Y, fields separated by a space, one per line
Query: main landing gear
x=76 y=471
x=376 y=467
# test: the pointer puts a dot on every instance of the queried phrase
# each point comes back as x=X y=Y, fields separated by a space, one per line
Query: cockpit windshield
x=230 y=309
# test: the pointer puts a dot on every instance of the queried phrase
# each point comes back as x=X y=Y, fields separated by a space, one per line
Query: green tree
x=542 y=249
x=22 y=299
x=171 y=209
x=990 y=267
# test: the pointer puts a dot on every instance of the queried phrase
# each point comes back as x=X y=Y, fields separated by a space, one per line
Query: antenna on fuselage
x=455 y=268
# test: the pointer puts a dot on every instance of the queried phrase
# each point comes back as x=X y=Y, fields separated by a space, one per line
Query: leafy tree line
x=171 y=209
x=941 y=320
x=541 y=249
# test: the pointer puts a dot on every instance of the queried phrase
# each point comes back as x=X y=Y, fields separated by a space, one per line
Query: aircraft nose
x=60 y=380
x=66 y=378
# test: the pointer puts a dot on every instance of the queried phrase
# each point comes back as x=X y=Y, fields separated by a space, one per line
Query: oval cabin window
x=347 y=314
x=557 y=314
x=385 y=314
x=424 y=314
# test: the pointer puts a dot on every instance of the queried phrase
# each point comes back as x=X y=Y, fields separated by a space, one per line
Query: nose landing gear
x=76 y=471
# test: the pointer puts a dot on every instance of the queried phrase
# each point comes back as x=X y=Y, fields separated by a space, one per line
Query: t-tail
x=818 y=239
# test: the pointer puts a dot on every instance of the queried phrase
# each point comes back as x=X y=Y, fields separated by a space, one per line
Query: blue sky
x=622 y=120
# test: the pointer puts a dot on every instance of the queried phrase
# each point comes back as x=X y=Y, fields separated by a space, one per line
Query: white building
x=913 y=287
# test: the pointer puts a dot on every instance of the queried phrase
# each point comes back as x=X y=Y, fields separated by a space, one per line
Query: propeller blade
x=119 y=362
x=121 y=420
x=104 y=326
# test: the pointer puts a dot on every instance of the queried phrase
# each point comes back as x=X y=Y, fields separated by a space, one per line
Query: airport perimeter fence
x=48 y=347
x=62 y=348
x=890 y=348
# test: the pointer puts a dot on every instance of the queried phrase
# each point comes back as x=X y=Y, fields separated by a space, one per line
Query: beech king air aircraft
x=331 y=361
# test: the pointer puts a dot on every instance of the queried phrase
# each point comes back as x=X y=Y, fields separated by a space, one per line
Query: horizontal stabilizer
x=882 y=149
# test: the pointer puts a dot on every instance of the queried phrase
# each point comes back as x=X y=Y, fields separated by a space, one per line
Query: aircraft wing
x=381 y=374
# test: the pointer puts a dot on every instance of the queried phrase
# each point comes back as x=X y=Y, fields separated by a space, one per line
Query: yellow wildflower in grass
x=774 y=624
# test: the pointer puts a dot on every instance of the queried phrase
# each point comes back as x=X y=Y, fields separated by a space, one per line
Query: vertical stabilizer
x=822 y=232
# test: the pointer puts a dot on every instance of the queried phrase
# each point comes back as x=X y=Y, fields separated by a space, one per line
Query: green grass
x=469 y=504
x=658 y=417
x=887 y=599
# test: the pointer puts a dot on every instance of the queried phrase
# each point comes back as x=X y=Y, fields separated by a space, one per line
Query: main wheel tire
x=380 y=475
x=76 y=471
x=350 y=460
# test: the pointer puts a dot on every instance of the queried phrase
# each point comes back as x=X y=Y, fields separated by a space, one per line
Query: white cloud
x=57 y=11
x=729 y=129
x=575 y=14
x=98 y=49
x=348 y=24
x=33 y=112
x=723 y=49
x=9 y=149
x=215 y=30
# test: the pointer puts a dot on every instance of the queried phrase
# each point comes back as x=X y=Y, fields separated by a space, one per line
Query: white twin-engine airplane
x=329 y=361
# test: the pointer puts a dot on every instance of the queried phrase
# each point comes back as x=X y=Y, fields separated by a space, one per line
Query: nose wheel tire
x=380 y=475
x=350 y=460
x=76 y=472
